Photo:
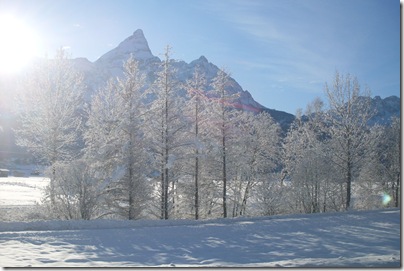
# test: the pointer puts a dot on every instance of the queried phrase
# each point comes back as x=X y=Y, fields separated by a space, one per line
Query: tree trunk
x=224 y=177
x=196 y=163
x=196 y=186
x=349 y=176
x=131 y=197
x=162 y=193
x=397 y=199
x=245 y=197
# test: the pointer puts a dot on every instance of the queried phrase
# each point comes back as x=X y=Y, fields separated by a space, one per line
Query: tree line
x=172 y=150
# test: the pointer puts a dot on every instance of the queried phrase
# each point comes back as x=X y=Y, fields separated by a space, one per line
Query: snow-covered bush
x=77 y=191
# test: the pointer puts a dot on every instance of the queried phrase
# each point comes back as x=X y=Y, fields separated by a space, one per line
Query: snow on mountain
x=135 y=44
x=111 y=65
x=385 y=109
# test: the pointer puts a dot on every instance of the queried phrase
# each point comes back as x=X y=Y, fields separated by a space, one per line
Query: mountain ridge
x=111 y=63
x=97 y=73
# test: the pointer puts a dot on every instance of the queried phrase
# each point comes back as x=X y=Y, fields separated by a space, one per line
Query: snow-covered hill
x=349 y=239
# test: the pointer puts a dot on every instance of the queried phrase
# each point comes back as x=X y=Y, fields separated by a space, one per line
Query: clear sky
x=281 y=51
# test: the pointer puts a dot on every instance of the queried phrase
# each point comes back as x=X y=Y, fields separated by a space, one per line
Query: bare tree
x=224 y=117
x=115 y=140
x=381 y=174
x=77 y=190
x=165 y=127
x=256 y=154
x=49 y=113
x=348 y=118
x=196 y=88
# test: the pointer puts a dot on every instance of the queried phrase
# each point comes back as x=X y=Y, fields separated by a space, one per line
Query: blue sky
x=281 y=51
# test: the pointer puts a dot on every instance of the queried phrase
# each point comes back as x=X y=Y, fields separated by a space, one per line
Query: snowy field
x=349 y=239
x=19 y=195
x=24 y=191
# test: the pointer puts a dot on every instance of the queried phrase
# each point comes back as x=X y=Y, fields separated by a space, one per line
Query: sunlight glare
x=18 y=45
x=386 y=198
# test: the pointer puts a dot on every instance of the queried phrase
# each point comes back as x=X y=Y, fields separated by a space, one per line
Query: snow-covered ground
x=21 y=190
x=19 y=196
x=349 y=239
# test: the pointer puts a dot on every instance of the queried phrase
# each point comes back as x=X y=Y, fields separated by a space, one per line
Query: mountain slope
x=111 y=65
x=97 y=73
x=385 y=109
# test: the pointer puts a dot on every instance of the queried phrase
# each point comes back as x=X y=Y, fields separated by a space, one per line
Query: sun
x=18 y=44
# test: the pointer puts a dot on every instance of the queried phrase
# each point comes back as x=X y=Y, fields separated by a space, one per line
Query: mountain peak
x=136 y=45
x=203 y=59
x=139 y=34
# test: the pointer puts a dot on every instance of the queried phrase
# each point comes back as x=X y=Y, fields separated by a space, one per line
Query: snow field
x=19 y=196
x=349 y=239
x=21 y=190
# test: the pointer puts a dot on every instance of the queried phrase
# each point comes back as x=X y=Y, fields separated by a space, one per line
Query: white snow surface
x=24 y=191
x=348 y=239
x=135 y=44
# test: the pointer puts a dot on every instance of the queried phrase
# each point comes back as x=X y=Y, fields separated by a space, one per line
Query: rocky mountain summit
x=110 y=65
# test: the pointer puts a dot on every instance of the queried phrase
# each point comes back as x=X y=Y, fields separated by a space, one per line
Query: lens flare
x=386 y=198
x=18 y=46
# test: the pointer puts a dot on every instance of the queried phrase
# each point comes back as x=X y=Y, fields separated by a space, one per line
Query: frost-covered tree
x=116 y=143
x=272 y=196
x=391 y=160
x=165 y=129
x=77 y=191
x=312 y=179
x=223 y=119
x=379 y=180
x=49 y=111
x=133 y=96
x=102 y=134
x=348 y=116
x=196 y=113
x=256 y=152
